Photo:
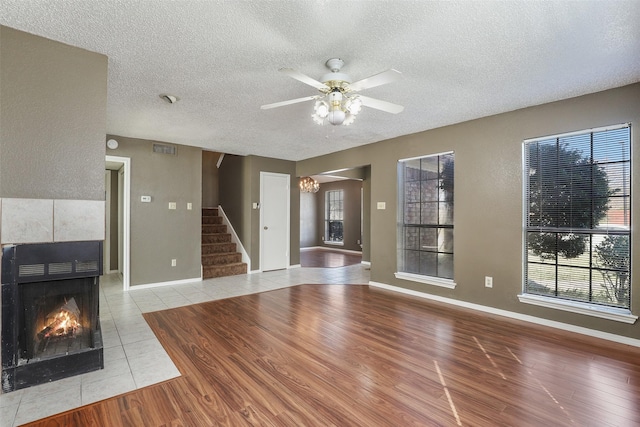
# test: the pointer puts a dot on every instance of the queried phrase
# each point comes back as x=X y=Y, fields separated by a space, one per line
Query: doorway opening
x=118 y=218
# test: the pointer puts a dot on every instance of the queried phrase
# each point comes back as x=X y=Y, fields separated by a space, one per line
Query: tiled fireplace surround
x=50 y=221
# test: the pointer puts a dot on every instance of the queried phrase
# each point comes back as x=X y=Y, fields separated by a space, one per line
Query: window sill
x=609 y=313
x=428 y=280
x=334 y=243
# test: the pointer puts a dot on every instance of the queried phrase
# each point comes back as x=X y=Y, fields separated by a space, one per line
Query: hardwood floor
x=351 y=355
x=327 y=258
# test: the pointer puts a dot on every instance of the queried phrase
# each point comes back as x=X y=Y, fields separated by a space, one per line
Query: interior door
x=274 y=221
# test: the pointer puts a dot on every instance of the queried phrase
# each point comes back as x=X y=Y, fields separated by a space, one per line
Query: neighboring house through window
x=334 y=217
x=577 y=206
x=425 y=219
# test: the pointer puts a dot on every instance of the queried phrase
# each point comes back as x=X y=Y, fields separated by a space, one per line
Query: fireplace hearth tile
x=104 y=388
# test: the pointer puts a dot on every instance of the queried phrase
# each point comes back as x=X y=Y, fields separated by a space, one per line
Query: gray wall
x=210 y=179
x=159 y=234
x=352 y=222
x=308 y=220
x=52 y=119
x=488 y=199
x=240 y=187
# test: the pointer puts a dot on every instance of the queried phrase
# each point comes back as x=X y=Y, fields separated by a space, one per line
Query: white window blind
x=578 y=216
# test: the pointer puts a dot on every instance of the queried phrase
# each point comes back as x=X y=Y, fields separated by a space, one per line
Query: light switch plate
x=382 y=205
x=172 y=205
x=189 y=206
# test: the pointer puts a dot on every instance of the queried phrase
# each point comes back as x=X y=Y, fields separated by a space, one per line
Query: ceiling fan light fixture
x=321 y=109
x=336 y=116
x=349 y=118
x=353 y=105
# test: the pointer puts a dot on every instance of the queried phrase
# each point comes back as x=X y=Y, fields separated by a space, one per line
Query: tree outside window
x=577 y=216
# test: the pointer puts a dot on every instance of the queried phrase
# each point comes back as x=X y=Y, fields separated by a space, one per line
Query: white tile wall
x=46 y=220
x=75 y=220
x=26 y=220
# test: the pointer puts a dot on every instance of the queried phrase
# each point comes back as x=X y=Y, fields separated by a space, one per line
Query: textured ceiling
x=460 y=60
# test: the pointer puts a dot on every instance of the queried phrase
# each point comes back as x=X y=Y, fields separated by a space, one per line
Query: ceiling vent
x=165 y=149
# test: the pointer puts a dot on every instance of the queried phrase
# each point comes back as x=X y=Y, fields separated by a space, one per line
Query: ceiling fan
x=338 y=101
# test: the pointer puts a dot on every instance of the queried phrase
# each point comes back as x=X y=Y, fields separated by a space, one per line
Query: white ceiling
x=460 y=60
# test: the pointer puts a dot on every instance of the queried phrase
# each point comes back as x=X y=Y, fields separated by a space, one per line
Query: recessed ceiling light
x=171 y=99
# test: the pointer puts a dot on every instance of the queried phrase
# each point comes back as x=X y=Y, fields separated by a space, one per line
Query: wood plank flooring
x=327 y=258
x=351 y=355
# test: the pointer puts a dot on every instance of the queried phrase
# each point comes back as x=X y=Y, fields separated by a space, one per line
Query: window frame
x=591 y=308
x=401 y=244
x=327 y=216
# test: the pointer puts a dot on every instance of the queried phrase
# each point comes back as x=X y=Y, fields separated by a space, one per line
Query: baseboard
x=510 y=314
x=169 y=283
x=294 y=266
x=367 y=263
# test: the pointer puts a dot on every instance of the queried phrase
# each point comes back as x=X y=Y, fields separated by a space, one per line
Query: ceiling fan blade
x=381 y=105
x=289 y=102
x=304 y=78
x=379 y=79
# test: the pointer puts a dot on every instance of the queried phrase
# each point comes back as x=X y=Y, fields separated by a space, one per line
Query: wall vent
x=165 y=149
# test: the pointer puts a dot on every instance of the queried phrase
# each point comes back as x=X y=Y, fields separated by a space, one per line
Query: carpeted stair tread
x=214 y=248
x=221 y=258
x=212 y=271
x=216 y=238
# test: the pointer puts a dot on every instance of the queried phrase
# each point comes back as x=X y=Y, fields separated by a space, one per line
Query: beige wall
x=53 y=100
x=159 y=234
x=488 y=199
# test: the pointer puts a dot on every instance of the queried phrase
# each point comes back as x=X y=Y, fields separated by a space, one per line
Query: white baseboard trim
x=294 y=266
x=524 y=317
x=367 y=263
x=168 y=283
x=254 y=271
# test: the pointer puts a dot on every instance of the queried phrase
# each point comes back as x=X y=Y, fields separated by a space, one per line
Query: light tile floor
x=133 y=357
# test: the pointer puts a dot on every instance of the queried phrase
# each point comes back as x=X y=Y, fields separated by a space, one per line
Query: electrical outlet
x=488 y=282
x=189 y=206
x=173 y=262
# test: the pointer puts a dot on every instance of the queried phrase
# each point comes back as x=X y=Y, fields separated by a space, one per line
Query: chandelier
x=338 y=108
x=309 y=185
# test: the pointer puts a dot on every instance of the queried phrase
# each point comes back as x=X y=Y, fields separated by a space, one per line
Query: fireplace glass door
x=59 y=317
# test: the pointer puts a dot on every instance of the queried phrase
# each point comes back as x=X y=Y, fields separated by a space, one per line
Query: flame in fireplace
x=63 y=321
x=63 y=324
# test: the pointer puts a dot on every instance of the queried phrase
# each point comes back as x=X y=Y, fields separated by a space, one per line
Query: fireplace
x=50 y=312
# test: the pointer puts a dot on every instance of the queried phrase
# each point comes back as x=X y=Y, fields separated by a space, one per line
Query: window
x=334 y=217
x=577 y=217
x=425 y=218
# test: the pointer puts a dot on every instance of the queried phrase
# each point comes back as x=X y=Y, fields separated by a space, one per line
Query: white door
x=274 y=221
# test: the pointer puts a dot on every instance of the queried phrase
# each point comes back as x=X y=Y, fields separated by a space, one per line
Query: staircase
x=219 y=256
